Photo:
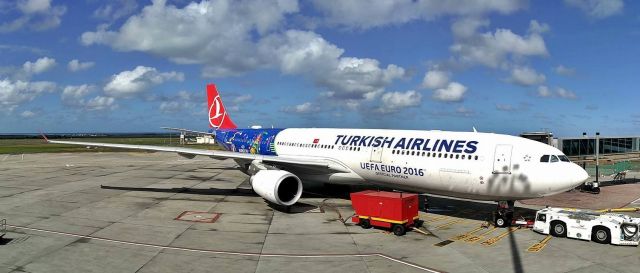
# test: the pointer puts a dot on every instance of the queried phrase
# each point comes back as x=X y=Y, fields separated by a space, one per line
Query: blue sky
x=503 y=66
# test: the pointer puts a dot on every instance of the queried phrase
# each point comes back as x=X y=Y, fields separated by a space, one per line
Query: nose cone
x=580 y=175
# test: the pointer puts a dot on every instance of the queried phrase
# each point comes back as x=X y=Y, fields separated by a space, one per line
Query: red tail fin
x=218 y=117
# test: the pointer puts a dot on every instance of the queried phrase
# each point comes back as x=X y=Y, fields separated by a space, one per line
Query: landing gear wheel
x=504 y=214
x=558 y=229
x=364 y=223
x=503 y=220
x=399 y=230
x=601 y=235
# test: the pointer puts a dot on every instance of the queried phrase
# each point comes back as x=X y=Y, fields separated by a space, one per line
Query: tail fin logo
x=218 y=117
x=216 y=113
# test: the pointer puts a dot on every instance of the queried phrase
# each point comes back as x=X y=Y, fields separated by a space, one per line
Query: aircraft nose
x=580 y=174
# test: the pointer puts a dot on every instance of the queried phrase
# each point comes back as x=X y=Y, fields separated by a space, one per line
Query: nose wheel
x=504 y=214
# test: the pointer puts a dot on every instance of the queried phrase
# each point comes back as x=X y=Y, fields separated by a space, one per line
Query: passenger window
x=542 y=218
x=544 y=158
x=554 y=158
x=564 y=158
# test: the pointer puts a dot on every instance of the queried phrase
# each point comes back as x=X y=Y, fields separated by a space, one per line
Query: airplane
x=469 y=165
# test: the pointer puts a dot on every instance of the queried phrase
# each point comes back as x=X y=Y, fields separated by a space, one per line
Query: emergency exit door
x=502 y=159
x=376 y=154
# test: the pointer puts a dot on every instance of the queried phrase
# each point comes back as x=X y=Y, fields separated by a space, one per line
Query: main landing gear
x=504 y=214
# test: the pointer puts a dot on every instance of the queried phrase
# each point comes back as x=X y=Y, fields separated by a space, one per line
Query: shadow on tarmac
x=467 y=209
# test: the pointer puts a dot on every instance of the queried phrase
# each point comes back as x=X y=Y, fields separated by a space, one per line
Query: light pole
x=584 y=157
x=597 y=157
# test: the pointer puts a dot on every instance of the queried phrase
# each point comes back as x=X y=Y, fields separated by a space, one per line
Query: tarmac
x=157 y=212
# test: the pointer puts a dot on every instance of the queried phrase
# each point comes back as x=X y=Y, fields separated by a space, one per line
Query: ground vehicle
x=604 y=228
x=395 y=210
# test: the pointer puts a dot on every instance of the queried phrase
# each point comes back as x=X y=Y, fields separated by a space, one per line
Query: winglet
x=44 y=137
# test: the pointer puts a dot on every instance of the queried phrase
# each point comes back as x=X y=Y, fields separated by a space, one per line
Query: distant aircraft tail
x=218 y=117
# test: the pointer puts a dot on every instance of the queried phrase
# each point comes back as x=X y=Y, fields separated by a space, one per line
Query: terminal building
x=586 y=146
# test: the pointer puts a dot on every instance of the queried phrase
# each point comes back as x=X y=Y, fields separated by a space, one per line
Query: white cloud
x=41 y=65
x=363 y=14
x=184 y=101
x=116 y=10
x=435 y=79
x=233 y=37
x=15 y=93
x=242 y=99
x=74 y=94
x=493 y=49
x=566 y=94
x=597 y=9
x=356 y=78
x=392 y=102
x=100 y=103
x=544 y=91
x=308 y=54
x=218 y=34
x=305 y=108
x=454 y=92
x=559 y=92
x=564 y=71
x=536 y=27
x=171 y=106
x=465 y=112
x=75 y=65
x=35 y=14
x=33 y=6
x=526 y=76
x=137 y=81
x=27 y=114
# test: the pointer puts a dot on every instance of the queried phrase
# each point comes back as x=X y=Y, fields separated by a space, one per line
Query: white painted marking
x=232 y=252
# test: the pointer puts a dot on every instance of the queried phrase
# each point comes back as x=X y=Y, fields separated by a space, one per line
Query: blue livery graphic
x=262 y=141
x=252 y=141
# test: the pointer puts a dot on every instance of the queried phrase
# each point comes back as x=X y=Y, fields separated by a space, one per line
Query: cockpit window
x=554 y=159
x=564 y=158
x=544 y=158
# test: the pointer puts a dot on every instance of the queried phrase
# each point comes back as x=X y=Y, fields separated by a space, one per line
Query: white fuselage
x=481 y=166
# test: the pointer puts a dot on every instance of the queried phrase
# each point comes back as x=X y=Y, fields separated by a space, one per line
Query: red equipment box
x=394 y=210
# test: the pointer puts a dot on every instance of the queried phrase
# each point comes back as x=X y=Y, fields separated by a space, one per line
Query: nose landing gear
x=503 y=216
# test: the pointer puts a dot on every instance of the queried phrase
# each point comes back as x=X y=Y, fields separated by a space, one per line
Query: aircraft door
x=376 y=154
x=502 y=159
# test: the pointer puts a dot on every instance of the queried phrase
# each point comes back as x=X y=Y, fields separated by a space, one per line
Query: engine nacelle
x=277 y=186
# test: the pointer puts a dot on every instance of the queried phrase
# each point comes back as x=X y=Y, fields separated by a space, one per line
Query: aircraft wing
x=297 y=161
x=188 y=131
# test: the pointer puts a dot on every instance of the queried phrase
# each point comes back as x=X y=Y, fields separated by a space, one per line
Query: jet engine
x=277 y=186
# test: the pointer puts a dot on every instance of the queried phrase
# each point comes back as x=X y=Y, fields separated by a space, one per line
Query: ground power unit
x=392 y=210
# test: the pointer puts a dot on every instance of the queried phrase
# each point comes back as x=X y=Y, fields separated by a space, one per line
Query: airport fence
x=612 y=169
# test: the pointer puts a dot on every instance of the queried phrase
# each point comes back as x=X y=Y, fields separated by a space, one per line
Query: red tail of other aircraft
x=218 y=117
